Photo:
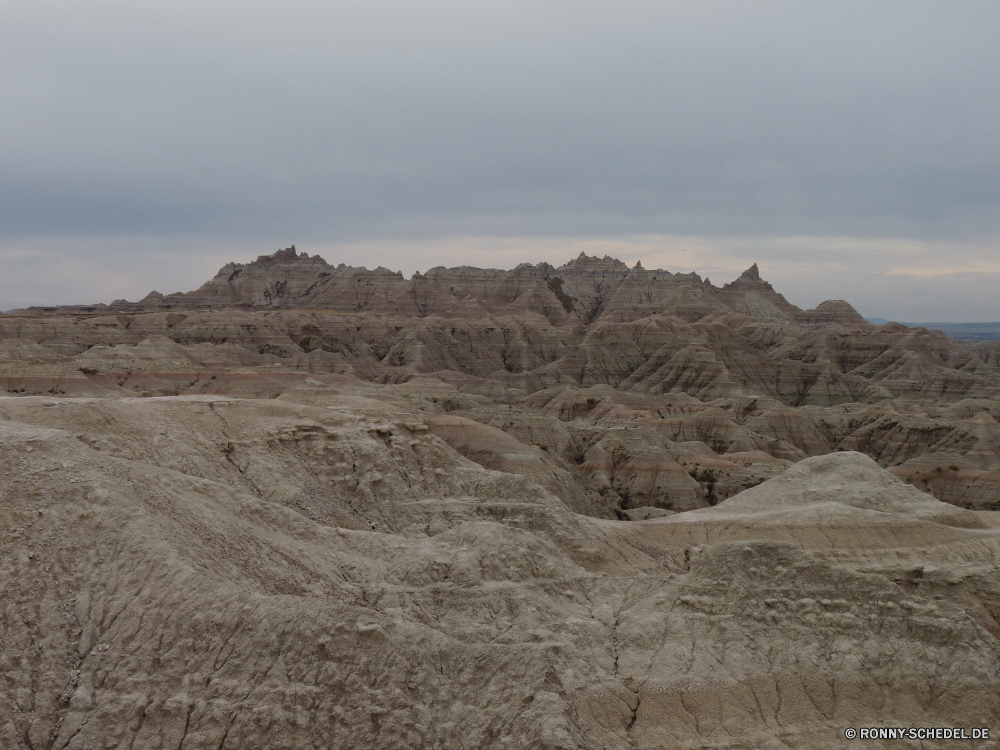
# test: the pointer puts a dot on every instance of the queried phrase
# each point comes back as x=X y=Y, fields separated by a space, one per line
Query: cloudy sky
x=850 y=148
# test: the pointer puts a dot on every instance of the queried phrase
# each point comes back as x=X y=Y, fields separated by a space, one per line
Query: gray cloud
x=349 y=121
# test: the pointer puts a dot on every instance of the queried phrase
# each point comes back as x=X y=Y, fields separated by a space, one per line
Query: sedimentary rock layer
x=590 y=507
x=646 y=388
x=325 y=569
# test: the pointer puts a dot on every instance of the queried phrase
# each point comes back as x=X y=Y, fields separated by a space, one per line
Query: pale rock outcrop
x=737 y=368
x=585 y=506
x=849 y=479
x=207 y=572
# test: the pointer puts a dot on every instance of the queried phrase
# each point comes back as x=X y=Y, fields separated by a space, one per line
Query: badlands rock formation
x=579 y=507
x=630 y=378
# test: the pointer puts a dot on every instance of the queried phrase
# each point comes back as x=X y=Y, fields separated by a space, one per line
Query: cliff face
x=582 y=292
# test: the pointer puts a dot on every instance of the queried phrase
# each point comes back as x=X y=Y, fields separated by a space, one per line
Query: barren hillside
x=580 y=507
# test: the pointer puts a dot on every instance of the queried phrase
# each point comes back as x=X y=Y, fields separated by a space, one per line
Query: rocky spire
x=751 y=274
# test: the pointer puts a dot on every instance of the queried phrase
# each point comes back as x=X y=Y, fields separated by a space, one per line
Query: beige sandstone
x=590 y=506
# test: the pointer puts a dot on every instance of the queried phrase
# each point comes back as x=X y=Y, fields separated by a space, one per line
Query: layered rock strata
x=210 y=572
x=592 y=343
x=590 y=507
x=579 y=292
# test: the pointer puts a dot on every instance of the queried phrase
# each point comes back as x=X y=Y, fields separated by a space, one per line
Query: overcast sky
x=850 y=148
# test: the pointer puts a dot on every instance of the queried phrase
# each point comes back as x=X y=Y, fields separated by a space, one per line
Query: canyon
x=585 y=506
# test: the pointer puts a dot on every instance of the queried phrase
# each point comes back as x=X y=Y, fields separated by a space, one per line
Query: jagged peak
x=288 y=254
x=593 y=260
x=288 y=278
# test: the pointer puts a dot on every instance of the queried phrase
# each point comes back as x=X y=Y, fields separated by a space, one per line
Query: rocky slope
x=580 y=507
x=204 y=572
x=591 y=356
x=577 y=293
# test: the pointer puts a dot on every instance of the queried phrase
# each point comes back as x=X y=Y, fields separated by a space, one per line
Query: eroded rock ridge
x=590 y=507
